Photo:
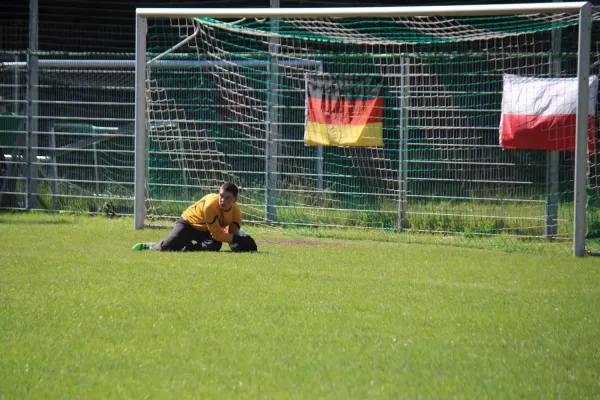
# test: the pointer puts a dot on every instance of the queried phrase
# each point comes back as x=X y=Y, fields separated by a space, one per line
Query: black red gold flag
x=344 y=111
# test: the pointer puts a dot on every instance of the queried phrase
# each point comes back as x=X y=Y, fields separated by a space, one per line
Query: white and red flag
x=540 y=113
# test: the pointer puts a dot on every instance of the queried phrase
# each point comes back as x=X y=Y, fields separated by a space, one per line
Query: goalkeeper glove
x=242 y=242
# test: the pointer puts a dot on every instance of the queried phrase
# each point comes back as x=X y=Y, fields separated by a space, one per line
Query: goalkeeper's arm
x=236 y=220
x=215 y=229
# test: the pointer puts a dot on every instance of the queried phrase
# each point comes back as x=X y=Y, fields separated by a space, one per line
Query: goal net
x=444 y=124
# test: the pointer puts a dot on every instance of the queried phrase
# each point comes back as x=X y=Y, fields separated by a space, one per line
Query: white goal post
x=212 y=17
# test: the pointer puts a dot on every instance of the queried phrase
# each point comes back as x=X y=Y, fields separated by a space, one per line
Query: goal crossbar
x=452 y=11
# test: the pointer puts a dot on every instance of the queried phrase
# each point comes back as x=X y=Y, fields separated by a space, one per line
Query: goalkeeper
x=202 y=226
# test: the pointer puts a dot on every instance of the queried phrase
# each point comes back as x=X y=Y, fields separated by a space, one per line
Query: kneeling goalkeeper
x=202 y=226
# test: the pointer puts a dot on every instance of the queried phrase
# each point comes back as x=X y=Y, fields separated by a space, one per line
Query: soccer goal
x=472 y=123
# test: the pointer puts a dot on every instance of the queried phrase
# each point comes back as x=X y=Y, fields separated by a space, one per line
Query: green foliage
x=83 y=316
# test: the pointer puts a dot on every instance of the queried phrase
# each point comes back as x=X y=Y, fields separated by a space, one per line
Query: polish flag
x=540 y=113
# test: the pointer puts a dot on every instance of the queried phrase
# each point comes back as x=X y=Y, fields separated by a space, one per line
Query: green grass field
x=82 y=316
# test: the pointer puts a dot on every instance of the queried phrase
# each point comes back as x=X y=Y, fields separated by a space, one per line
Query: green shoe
x=142 y=246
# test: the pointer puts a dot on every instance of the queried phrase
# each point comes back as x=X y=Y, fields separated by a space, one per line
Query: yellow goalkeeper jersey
x=206 y=215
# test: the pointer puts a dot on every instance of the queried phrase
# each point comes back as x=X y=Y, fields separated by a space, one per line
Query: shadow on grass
x=36 y=222
x=24 y=218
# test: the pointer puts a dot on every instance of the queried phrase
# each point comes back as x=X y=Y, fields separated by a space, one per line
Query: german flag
x=344 y=111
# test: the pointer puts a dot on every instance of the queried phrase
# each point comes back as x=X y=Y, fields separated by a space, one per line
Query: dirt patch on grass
x=297 y=242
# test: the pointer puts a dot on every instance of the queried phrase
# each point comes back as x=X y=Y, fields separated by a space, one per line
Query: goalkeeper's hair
x=231 y=188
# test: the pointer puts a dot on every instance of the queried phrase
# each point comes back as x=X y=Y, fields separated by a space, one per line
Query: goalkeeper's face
x=226 y=200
